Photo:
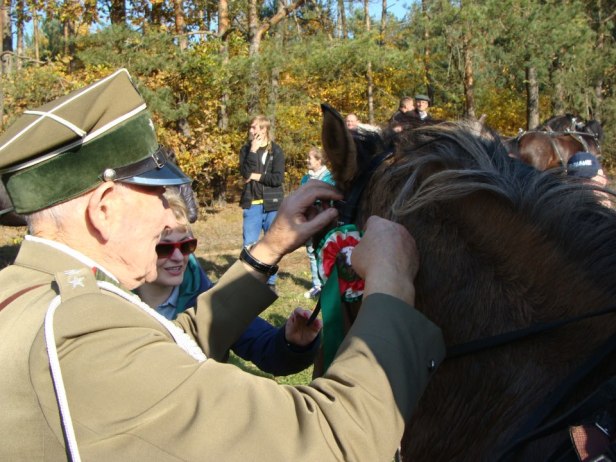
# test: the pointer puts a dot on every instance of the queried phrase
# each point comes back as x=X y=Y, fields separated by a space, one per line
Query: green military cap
x=67 y=147
x=422 y=98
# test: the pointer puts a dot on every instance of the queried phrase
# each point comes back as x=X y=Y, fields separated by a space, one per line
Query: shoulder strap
x=75 y=282
x=16 y=295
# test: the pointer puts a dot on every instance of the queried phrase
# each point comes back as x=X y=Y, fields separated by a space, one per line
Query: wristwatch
x=263 y=268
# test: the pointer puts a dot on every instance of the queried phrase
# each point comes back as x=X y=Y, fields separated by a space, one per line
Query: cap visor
x=168 y=175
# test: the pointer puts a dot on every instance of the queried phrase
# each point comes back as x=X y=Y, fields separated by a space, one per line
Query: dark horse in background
x=502 y=247
x=553 y=143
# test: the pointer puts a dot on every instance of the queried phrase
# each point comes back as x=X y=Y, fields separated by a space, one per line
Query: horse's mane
x=563 y=122
x=448 y=162
x=572 y=122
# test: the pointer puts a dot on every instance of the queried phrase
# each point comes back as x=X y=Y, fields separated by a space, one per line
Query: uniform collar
x=65 y=249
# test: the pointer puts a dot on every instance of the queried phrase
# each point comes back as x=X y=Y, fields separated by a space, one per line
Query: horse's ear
x=594 y=128
x=339 y=147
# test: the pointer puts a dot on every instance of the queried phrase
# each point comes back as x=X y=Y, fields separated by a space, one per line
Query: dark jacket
x=269 y=187
x=261 y=343
x=415 y=114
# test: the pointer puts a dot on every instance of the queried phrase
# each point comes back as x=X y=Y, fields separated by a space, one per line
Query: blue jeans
x=255 y=220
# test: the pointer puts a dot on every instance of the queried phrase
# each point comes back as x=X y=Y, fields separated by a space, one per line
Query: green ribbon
x=333 y=324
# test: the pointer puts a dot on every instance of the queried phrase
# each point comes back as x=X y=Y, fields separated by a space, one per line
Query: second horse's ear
x=339 y=148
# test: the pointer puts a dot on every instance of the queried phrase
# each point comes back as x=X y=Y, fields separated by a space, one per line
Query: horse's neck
x=487 y=270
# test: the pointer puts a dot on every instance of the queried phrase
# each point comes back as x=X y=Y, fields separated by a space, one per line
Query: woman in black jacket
x=262 y=167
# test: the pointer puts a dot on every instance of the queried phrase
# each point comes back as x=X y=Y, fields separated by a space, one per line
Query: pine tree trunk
x=223 y=27
x=257 y=32
x=532 y=98
x=369 y=78
x=35 y=37
x=469 y=79
x=20 y=9
x=253 y=52
x=557 y=101
x=7 y=36
x=596 y=111
x=342 y=20
x=180 y=24
x=427 y=58
x=383 y=18
x=117 y=12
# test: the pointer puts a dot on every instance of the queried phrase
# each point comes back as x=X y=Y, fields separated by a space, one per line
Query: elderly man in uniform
x=89 y=371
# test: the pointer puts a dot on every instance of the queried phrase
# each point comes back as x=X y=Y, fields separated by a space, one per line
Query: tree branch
x=279 y=16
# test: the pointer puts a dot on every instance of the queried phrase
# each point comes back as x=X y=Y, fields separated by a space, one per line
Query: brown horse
x=502 y=247
x=555 y=141
x=545 y=150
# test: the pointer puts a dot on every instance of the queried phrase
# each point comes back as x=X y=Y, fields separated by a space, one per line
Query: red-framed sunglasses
x=166 y=249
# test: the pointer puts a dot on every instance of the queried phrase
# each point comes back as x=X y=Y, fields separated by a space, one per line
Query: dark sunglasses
x=166 y=249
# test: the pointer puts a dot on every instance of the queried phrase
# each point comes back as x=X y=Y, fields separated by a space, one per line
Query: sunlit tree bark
x=257 y=31
x=427 y=58
x=469 y=77
x=7 y=35
x=117 y=12
x=369 y=76
x=342 y=23
x=180 y=24
x=532 y=98
x=383 y=18
x=20 y=20
x=223 y=28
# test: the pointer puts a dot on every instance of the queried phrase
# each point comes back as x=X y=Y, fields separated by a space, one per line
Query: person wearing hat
x=586 y=166
x=91 y=372
x=422 y=103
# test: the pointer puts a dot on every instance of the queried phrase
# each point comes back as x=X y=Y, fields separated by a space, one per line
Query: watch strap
x=263 y=268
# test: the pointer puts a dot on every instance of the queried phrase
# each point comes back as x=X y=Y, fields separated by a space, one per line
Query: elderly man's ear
x=102 y=209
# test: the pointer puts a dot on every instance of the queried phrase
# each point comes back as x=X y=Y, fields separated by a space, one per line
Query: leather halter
x=349 y=207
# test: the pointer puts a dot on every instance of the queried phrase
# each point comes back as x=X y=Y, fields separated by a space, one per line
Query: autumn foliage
x=203 y=83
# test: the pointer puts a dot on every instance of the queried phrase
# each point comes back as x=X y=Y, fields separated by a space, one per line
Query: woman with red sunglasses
x=278 y=351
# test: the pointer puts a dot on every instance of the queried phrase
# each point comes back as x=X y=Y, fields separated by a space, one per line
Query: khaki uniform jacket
x=134 y=395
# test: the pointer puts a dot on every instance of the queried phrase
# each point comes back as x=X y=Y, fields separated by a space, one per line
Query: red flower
x=336 y=250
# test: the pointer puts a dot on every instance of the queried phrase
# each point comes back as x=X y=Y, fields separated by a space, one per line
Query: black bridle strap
x=348 y=211
x=478 y=345
x=559 y=154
